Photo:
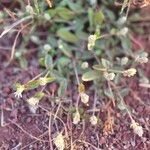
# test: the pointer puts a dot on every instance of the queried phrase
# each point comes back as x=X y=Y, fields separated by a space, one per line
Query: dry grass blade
x=7 y=29
x=42 y=135
x=15 y=42
x=144 y=85
x=2 y=119
x=11 y=14
x=32 y=136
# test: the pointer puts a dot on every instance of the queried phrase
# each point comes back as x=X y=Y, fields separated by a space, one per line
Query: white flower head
x=29 y=9
x=47 y=16
x=109 y=76
x=47 y=47
x=137 y=128
x=129 y=72
x=20 y=89
x=122 y=20
x=76 y=118
x=123 y=32
x=33 y=101
x=59 y=141
x=84 y=65
x=84 y=98
x=43 y=81
x=124 y=60
x=142 y=58
x=93 y=120
x=91 y=41
x=93 y=2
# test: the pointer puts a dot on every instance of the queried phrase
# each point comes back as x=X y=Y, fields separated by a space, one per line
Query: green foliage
x=66 y=35
x=90 y=75
x=73 y=32
x=70 y=25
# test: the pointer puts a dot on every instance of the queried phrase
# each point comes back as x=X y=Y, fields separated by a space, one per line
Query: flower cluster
x=91 y=41
x=109 y=76
x=43 y=81
x=123 y=32
x=142 y=58
x=129 y=72
x=59 y=141
x=32 y=85
x=84 y=98
x=124 y=61
x=83 y=95
x=19 y=90
x=93 y=120
x=33 y=101
x=137 y=128
x=76 y=118
x=84 y=65
x=122 y=20
x=47 y=47
x=29 y=9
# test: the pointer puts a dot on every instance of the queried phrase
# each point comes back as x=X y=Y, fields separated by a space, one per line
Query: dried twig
x=7 y=29
x=49 y=132
x=15 y=42
x=32 y=136
x=144 y=85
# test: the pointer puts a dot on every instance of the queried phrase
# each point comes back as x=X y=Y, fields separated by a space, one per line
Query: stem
x=77 y=77
x=45 y=77
x=7 y=29
x=95 y=100
x=104 y=36
x=110 y=89
x=97 y=59
x=76 y=73
x=122 y=101
x=109 y=70
x=129 y=4
x=115 y=71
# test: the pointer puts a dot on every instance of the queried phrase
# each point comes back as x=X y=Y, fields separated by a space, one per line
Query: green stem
x=109 y=70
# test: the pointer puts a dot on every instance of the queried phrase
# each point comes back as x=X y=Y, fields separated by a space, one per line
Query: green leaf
x=65 y=13
x=99 y=68
x=52 y=12
x=66 y=35
x=50 y=79
x=65 y=49
x=90 y=75
x=121 y=106
x=48 y=61
x=109 y=93
x=106 y=63
x=126 y=45
x=75 y=6
x=23 y=62
x=32 y=84
x=124 y=92
x=42 y=62
x=63 y=61
x=98 y=18
x=62 y=88
x=90 y=16
x=39 y=95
